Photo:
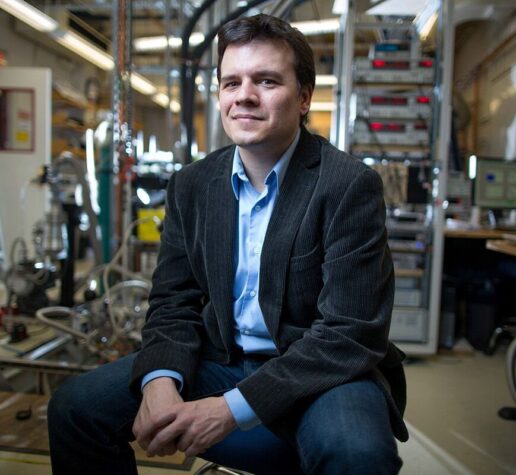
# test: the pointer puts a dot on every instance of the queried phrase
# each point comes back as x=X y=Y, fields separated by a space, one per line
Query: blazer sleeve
x=171 y=334
x=349 y=333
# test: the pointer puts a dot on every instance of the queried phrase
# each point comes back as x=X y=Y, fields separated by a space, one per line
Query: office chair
x=509 y=413
x=257 y=451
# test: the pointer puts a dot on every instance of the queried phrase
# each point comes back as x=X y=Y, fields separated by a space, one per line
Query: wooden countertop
x=477 y=233
x=505 y=246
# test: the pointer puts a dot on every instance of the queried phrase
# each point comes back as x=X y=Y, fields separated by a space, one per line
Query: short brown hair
x=266 y=27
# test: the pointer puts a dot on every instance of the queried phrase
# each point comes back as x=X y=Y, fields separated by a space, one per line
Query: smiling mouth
x=245 y=117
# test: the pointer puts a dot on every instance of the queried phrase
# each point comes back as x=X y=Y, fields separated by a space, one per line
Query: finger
x=169 y=449
x=194 y=450
x=139 y=434
x=163 y=437
x=147 y=428
x=184 y=442
x=142 y=439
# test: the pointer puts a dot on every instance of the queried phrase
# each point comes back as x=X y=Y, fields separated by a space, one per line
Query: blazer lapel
x=220 y=240
x=295 y=193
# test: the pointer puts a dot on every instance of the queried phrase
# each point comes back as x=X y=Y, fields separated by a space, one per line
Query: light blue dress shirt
x=251 y=334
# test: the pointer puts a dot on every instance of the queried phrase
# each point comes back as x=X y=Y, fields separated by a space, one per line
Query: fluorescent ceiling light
x=75 y=43
x=30 y=15
x=427 y=27
x=325 y=80
x=159 y=43
x=398 y=7
x=85 y=49
x=322 y=107
x=175 y=106
x=151 y=43
x=142 y=85
x=161 y=99
x=427 y=18
x=328 y=25
x=340 y=7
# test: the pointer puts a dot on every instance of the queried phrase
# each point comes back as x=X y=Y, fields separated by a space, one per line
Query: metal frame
x=210 y=466
x=340 y=138
x=446 y=34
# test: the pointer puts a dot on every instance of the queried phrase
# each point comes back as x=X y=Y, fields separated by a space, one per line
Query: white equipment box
x=409 y=324
x=404 y=71
x=394 y=106
x=390 y=132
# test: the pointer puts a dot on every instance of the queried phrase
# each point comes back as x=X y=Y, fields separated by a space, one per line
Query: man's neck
x=257 y=167
x=258 y=161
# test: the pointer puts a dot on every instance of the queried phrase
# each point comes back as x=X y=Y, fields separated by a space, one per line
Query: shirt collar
x=278 y=171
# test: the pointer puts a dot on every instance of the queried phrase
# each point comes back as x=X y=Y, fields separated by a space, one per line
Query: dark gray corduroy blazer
x=326 y=283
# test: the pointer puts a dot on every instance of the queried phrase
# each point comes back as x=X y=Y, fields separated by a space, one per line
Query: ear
x=305 y=98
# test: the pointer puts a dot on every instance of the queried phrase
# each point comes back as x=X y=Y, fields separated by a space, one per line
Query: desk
x=476 y=233
x=507 y=245
x=478 y=284
x=501 y=245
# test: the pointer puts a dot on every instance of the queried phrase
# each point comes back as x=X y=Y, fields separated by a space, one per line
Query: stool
x=257 y=451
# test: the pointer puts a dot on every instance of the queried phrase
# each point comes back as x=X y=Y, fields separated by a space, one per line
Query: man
x=271 y=299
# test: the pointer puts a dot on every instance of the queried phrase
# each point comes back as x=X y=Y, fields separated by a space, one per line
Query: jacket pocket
x=306 y=261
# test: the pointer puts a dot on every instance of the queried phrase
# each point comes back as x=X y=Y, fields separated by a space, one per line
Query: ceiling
x=93 y=19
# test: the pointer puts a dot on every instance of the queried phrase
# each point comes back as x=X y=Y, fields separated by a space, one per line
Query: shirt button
x=257 y=207
x=252 y=293
x=256 y=250
x=246 y=332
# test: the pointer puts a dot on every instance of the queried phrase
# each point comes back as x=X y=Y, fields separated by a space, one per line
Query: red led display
x=389 y=101
x=386 y=127
x=423 y=100
x=382 y=64
x=426 y=63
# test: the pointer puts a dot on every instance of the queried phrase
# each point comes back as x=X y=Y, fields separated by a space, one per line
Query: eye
x=230 y=84
x=268 y=82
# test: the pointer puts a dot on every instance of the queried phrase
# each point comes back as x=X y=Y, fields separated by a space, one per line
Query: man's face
x=261 y=102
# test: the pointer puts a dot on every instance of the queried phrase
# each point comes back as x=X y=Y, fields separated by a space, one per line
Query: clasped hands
x=165 y=423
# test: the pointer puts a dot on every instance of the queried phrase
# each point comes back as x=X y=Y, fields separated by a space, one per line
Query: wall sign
x=17 y=120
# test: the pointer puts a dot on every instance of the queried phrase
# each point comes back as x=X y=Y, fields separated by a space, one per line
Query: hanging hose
x=68 y=159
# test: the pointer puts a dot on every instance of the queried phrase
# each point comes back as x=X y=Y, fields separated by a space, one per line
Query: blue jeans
x=344 y=431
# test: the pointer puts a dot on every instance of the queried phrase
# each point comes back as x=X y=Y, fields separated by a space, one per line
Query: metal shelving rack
x=416 y=135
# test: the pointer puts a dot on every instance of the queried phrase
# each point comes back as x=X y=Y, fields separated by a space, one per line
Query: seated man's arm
x=171 y=334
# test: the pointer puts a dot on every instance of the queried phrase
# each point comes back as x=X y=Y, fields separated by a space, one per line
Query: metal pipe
x=344 y=69
x=57 y=367
x=168 y=67
x=447 y=31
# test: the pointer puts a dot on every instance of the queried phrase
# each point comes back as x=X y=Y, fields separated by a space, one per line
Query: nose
x=247 y=93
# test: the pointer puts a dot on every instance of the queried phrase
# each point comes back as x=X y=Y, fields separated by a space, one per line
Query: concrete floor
x=454 y=400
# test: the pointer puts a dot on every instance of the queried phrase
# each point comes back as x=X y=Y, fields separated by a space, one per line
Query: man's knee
x=347 y=431
x=353 y=456
x=372 y=456
x=69 y=401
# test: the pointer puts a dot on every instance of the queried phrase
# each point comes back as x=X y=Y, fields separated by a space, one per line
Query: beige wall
x=25 y=47
x=485 y=76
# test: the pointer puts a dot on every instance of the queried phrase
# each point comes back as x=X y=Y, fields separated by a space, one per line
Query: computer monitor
x=495 y=184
